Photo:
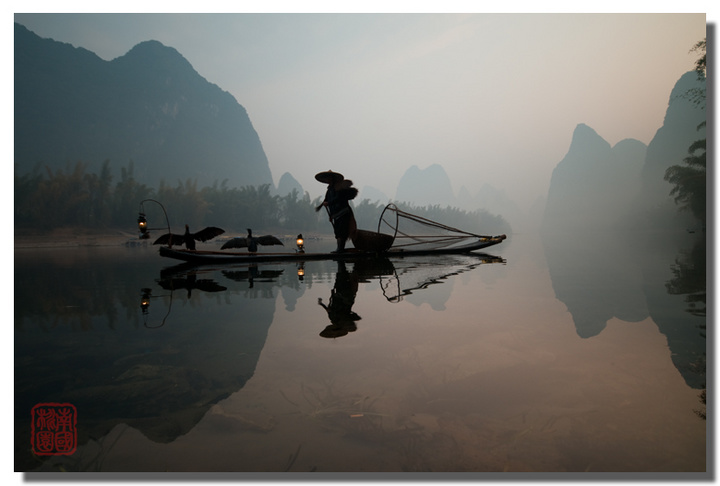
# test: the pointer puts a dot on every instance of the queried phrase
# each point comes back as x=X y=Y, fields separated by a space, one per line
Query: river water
x=548 y=354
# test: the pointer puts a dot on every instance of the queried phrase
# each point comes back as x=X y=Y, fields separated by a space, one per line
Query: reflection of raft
x=399 y=234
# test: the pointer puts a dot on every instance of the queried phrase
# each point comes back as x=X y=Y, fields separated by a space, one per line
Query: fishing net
x=413 y=232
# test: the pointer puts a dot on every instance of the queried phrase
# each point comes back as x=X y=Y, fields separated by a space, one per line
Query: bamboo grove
x=75 y=197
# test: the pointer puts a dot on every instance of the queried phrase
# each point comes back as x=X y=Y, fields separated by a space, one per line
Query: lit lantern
x=142 y=225
x=142 y=220
x=300 y=243
x=145 y=301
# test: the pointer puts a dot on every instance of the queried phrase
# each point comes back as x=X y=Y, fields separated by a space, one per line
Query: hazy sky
x=493 y=98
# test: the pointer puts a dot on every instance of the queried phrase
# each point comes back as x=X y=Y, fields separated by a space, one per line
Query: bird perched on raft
x=188 y=239
x=251 y=242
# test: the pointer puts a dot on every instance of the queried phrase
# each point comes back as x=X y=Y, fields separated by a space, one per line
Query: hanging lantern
x=145 y=301
x=143 y=226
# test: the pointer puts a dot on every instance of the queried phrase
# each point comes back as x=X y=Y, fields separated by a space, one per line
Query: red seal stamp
x=54 y=429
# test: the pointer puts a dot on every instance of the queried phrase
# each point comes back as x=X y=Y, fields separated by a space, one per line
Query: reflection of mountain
x=126 y=343
x=160 y=380
x=690 y=274
x=669 y=288
x=599 y=278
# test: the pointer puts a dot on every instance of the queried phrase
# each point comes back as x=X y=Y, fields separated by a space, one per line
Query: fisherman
x=337 y=202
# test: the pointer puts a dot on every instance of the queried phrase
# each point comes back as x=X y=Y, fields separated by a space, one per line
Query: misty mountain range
x=151 y=108
x=599 y=186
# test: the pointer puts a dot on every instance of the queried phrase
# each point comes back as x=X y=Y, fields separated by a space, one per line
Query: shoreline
x=70 y=237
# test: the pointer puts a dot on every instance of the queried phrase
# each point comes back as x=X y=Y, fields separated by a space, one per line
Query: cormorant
x=188 y=239
x=251 y=242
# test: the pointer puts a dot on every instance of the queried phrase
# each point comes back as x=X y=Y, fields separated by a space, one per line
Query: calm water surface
x=547 y=356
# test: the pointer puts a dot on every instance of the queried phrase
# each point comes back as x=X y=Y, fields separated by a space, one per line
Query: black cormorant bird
x=188 y=239
x=251 y=242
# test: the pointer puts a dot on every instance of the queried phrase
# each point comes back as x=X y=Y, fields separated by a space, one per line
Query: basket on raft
x=371 y=241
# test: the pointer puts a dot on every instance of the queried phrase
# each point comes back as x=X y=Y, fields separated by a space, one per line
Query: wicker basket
x=372 y=241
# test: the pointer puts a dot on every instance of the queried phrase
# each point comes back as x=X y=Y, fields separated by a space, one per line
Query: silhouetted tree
x=297 y=213
x=99 y=187
x=52 y=199
x=127 y=195
x=367 y=214
x=185 y=203
x=697 y=95
x=27 y=206
x=64 y=197
x=689 y=181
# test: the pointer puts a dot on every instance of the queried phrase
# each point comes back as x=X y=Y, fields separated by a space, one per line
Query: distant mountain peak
x=149 y=106
x=598 y=186
x=154 y=49
x=585 y=138
x=428 y=186
x=158 y=56
x=287 y=184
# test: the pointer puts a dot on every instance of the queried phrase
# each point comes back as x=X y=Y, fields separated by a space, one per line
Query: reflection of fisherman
x=337 y=201
x=339 y=309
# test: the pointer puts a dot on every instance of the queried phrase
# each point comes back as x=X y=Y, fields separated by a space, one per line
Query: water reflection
x=339 y=308
x=396 y=280
x=160 y=380
x=632 y=278
x=409 y=279
x=178 y=279
x=690 y=278
x=598 y=278
x=464 y=363
x=198 y=346
x=690 y=281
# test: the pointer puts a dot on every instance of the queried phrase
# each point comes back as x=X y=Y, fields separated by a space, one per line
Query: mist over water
x=547 y=356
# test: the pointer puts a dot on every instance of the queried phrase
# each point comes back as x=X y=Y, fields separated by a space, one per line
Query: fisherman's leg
x=341 y=233
x=340 y=245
